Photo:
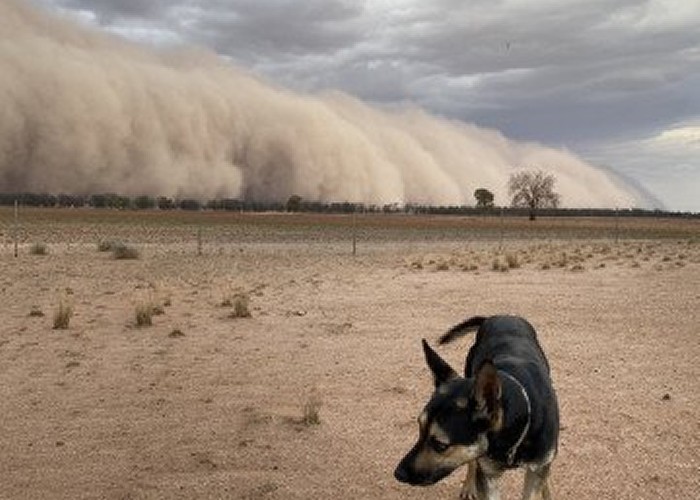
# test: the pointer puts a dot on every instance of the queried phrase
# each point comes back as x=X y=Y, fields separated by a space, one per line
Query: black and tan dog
x=501 y=415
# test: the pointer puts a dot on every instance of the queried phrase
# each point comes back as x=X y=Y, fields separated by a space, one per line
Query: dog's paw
x=467 y=494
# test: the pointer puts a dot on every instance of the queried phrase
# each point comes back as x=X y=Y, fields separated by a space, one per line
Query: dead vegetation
x=565 y=256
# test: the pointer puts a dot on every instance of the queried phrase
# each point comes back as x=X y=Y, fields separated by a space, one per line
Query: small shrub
x=106 y=245
x=38 y=249
x=512 y=261
x=120 y=251
x=176 y=333
x=311 y=410
x=240 y=306
x=144 y=315
x=442 y=266
x=36 y=312
x=62 y=316
x=499 y=265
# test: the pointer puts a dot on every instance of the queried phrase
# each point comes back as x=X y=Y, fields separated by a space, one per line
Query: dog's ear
x=487 y=393
x=442 y=372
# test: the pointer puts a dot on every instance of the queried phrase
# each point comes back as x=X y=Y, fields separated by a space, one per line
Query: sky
x=614 y=81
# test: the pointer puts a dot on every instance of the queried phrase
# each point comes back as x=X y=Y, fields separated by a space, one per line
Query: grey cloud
x=564 y=72
x=84 y=112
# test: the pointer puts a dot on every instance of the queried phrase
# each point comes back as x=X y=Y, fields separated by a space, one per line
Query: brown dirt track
x=105 y=409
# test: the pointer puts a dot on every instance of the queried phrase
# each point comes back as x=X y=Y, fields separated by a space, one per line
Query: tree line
x=119 y=202
x=532 y=193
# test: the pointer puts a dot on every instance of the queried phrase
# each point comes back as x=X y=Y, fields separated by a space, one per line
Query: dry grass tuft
x=106 y=245
x=240 y=303
x=499 y=265
x=36 y=312
x=121 y=251
x=144 y=314
x=311 y=409
x=62 y=316
x=39 y=249
x=512 y=261
x=442 y=266
x=176 y=333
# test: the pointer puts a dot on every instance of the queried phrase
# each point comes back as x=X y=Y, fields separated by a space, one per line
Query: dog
x=503 y=414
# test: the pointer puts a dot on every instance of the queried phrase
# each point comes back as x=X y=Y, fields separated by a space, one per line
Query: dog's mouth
x=405 y=476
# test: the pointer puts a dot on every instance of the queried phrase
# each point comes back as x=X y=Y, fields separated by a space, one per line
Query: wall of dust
x=86 y=112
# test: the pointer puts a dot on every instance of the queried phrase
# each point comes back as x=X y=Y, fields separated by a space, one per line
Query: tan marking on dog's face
x=428 y=459
x=462 y=402
x=438 y=433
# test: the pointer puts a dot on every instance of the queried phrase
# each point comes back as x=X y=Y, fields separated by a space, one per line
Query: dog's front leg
x=469 y=487
x=537 y=482
x=479 y=485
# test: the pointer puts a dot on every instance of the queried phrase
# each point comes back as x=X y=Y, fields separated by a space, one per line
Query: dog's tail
x=464 y=327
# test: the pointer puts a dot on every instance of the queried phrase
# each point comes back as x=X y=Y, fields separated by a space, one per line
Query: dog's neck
x=517 y=419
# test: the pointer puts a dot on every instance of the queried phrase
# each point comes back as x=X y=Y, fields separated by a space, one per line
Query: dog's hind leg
x=537 y=482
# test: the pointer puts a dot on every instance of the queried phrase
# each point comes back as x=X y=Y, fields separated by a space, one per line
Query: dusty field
x=204 y=405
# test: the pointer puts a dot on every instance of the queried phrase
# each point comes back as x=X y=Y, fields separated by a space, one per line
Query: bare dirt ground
x=204 y=405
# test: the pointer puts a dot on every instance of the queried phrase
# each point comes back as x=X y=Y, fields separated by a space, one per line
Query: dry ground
x=203 y=405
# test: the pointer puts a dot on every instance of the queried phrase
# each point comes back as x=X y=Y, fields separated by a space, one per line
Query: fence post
x=354 y=230
x=15 y=234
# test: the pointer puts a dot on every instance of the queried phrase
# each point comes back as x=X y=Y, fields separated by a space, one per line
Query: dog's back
x=510 y=342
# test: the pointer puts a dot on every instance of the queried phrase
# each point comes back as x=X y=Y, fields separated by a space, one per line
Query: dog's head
x=454 y=425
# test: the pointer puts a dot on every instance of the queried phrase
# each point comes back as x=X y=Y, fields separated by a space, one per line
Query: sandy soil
x=204 y=405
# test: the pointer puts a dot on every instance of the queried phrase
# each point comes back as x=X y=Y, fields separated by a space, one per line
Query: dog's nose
x=401 y=474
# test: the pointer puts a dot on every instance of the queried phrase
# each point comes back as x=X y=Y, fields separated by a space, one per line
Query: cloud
x=87 y=112
x=667 y=163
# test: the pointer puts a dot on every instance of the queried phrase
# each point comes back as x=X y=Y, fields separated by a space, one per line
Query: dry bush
x=240 y=303
x=106 y=245
x=144 y=314
x=499 y=265
x=62 y=316
x=311 y=409
x=512 y=261
x=442 y=266
x=121 y=251
x=36 y=312
x=176 y=333
x=39 y=249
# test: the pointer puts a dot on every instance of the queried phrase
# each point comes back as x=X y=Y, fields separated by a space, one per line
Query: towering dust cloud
x=84 y=112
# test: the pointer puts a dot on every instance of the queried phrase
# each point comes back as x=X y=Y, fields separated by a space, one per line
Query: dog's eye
x=438 y=445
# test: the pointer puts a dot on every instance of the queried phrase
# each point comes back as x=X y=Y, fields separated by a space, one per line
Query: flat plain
x=315 y=393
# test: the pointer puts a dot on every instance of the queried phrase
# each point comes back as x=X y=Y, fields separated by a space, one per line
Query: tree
x=484 y=198
x=533 y=190
x=294 y=203
x=144 y=202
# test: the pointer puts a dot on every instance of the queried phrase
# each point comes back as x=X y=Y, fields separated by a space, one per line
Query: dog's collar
x=510 y=457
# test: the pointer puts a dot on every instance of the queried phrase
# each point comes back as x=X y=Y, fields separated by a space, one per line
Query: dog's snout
x=401 y=474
